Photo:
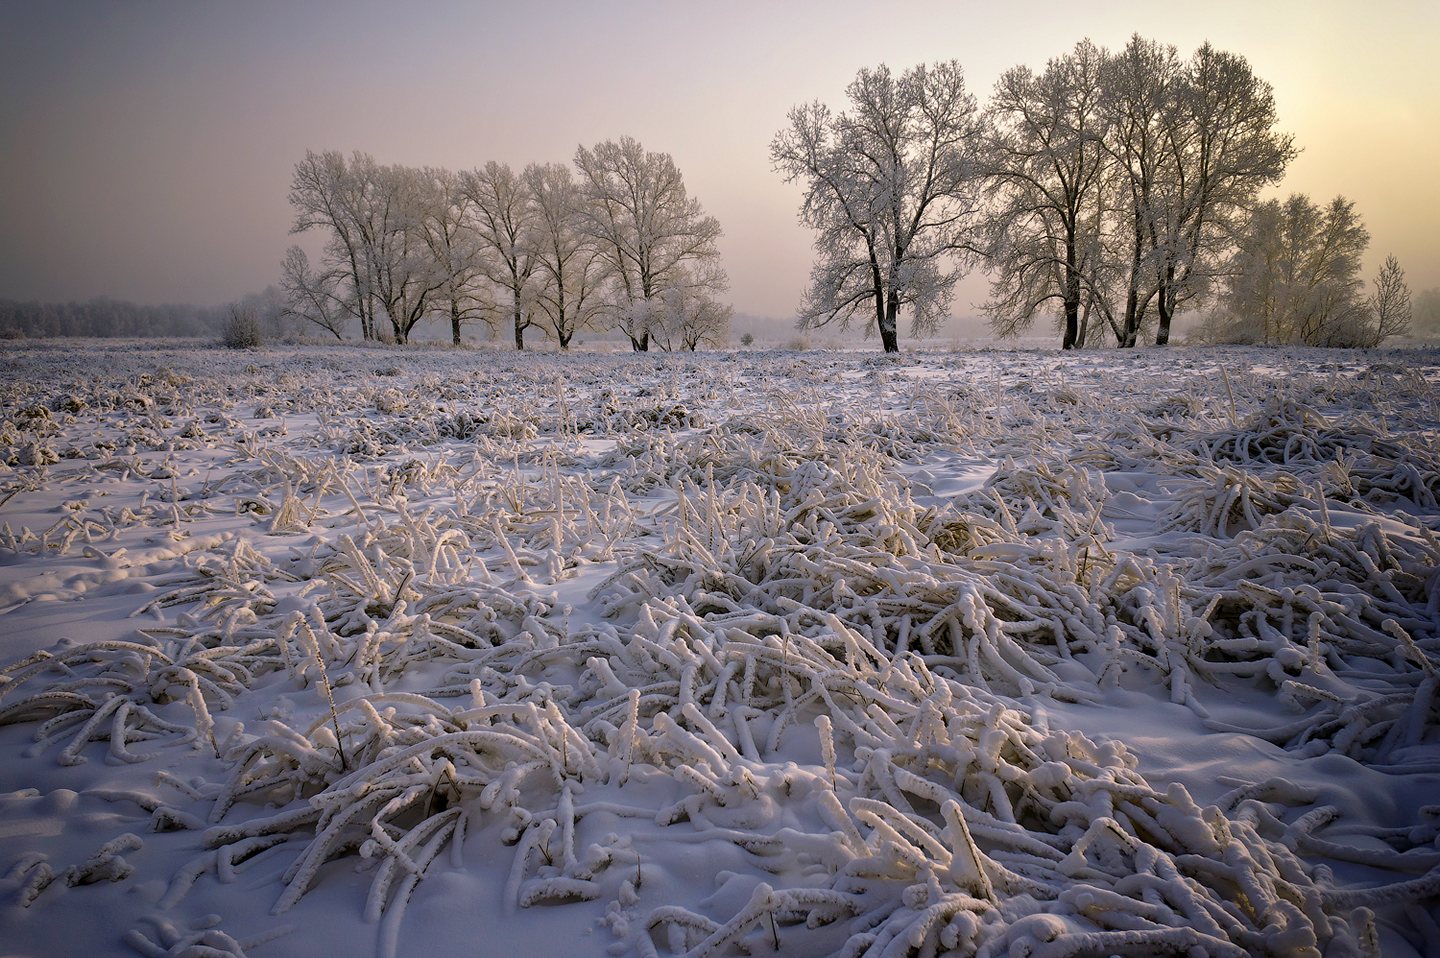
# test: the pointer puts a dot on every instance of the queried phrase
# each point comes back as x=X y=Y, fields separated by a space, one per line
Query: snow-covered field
x=354 y=651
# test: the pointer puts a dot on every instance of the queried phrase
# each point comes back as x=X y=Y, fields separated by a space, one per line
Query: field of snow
x=356 y=651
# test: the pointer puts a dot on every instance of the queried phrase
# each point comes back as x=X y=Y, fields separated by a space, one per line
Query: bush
x=241 y=330
x=1356 y=330
x=1219 y=329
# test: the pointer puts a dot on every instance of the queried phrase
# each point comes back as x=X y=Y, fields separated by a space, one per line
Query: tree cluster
x=616 y=244
x=1118 y=180
x=1108 y=191
x=1294 y=277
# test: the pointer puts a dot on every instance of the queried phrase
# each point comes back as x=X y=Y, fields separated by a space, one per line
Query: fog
x=146 y=149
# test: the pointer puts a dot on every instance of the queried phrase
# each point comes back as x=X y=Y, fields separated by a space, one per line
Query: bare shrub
x=241 y=330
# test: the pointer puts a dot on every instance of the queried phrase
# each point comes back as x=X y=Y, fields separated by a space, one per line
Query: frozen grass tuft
x=567 y=623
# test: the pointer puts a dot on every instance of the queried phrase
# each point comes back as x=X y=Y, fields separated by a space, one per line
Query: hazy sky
x=146 y=146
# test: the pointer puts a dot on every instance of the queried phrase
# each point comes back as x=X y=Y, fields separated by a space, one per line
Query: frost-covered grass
x=985 y=653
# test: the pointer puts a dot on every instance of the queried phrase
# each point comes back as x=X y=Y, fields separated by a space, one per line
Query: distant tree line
x=616 y=244
x=105 y=318
x=1107 y=192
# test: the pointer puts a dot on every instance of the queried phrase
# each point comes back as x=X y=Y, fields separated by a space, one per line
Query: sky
x=146 y=146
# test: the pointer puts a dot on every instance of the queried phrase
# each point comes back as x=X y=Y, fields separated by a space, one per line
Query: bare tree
x=502 y=217
x=325 y=195
x=454 y=247
x=1118 y=182
x=376 y=246
x=1141 y=87
x=314 y=296
x=1390 y=303
x=646 y=229
x=1221 y=148
x=891 y=189
x=569 y=269
x=1046 y=163
x=404 y=275
x=690 y=316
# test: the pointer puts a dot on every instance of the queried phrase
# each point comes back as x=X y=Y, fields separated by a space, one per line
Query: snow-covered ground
x=356 y=651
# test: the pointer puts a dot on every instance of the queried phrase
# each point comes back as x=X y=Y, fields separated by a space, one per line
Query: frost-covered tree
x=326 y=195
x=404 y=275
x=1390 y=303
x=502 y=217
x=568 y=267
x=1046 y=162
x=891 y=188
x=1141 y=91
x=315 y=296
x=1295 y=276
x=107 y=317
x=1220 y=149
x=690 y=316
x=1118 y=181
x=647 y=230
x=462 y=296
x=373 y=215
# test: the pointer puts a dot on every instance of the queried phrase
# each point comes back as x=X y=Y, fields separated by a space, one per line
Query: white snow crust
x=408 y=652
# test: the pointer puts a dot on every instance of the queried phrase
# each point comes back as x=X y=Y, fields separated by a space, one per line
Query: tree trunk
x=888 y=337
x=1130 y=332
x=1132 y=298
x=1084 y=334
x=519 y=332
x=1165 y=307
x=362 y=300
x=561 y=336
x=1162 y=331
x=1070 y=338
x=455 y=324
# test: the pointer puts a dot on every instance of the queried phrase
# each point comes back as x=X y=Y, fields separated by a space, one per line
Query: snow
x=350 y=650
